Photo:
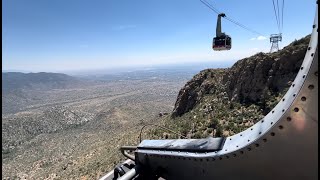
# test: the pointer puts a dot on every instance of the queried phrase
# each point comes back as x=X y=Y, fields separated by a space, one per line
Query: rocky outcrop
x=249 y=81
x=205 y=82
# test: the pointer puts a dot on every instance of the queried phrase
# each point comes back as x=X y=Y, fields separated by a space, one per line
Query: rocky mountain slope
x=222 y=102
x=19 y=129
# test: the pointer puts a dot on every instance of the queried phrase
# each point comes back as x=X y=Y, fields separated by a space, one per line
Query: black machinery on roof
x=221 y=41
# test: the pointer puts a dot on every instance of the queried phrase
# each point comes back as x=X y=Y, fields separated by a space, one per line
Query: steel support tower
x=274 y=40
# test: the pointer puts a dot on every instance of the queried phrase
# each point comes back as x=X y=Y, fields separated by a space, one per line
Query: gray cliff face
x=250 y=80
x=206 y=82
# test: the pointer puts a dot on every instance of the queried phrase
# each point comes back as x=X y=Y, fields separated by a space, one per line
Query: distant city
x=171 y=67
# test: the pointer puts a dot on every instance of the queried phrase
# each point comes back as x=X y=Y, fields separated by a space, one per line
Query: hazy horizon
x=195 y=65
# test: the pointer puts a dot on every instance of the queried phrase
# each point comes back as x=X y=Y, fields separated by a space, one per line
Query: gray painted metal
x=123 y=150
x=218 y=29
x=109 y=176
x=191 y=145
x=129 y=175
x=282 y=145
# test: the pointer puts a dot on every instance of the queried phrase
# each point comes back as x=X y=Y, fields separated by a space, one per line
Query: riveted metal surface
x=190 y=145
x=282 y=145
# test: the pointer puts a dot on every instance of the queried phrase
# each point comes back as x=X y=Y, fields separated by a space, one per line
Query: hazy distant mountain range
x=12 y=81
x=20 y=90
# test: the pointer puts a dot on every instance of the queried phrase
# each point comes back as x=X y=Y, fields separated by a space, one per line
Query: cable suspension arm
x=228 y=18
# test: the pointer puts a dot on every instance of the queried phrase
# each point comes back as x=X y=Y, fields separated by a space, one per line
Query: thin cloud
x=84 y=46
x=259 y=38
x=123 y=27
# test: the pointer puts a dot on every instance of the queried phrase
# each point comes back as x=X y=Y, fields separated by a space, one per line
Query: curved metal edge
x=109 y=175
x=123 y=150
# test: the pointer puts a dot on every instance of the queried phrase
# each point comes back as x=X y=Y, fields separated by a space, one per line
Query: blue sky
x=59 y=35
